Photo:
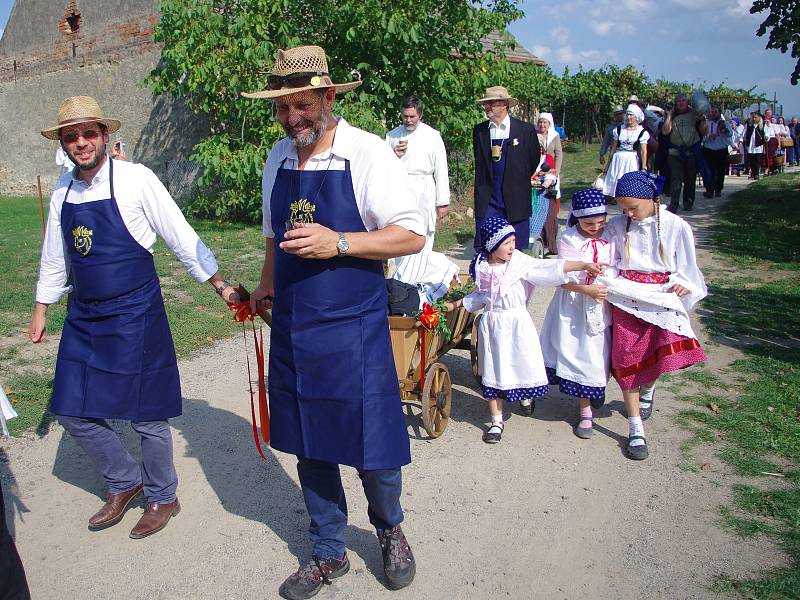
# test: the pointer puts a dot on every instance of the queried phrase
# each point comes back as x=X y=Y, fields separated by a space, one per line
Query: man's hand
x=400 y=148
x=38 y=326
x=602 y=160
x=441 y=212
x=262 y=296
x=310 y=240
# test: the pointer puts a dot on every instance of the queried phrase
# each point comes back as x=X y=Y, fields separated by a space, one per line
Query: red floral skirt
x=640 y=352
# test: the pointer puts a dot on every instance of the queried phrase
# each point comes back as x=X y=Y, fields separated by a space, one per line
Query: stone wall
x=107 y=57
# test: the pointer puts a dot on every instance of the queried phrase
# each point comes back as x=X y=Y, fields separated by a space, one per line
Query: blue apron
x=116 y=359
x=497 y=205
x=332 y=383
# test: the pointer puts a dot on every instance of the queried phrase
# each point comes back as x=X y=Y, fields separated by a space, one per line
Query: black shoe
x=307 y=581
x=688 y=207
x=527 y=411
x=398 y=560
x=637 y=452
x=492 y=437
x=673 y=208
x=718 y=194
x=708 y=194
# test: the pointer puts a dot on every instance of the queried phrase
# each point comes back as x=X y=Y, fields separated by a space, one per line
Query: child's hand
x=594 y=268
x=597 y=292
x=680 y=290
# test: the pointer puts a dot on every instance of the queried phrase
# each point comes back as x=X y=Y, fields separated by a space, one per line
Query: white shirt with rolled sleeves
x=147 y=210
x=425 y=161
x=380 y=183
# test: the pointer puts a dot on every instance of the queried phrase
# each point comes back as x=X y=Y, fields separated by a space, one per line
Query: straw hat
x=79 y=109
x=498 y=92
x=298 y=70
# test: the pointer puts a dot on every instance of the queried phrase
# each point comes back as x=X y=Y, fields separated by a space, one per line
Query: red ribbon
x=243 y=313
x=595 y=255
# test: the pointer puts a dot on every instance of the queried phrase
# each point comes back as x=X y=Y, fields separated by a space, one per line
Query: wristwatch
x=225 y=285
x=342 y=246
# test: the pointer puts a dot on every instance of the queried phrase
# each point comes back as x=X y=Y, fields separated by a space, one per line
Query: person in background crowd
x=552 y=154
x=715 y=149
x=506 y=152
x=794 y=132
x=630 y=149
x=685 y=127
x=756 y=136
x=421 y=150
x=608 y=136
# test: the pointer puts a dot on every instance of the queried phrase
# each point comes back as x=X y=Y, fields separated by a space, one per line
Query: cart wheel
x=537 y=248
x=436 y=400
x=473 y=348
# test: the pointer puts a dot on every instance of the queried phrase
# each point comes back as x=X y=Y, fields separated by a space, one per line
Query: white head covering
x=547 y=117
x=636 y=112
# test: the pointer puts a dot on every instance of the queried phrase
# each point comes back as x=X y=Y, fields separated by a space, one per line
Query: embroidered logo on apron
x=301 y=211
x=83 y=239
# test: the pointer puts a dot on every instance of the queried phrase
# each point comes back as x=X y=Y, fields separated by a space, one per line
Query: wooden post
x=41 y=202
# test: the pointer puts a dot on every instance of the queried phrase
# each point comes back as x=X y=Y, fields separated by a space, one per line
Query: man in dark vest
x=116 y=359
x=336 y=203
x=506 y=152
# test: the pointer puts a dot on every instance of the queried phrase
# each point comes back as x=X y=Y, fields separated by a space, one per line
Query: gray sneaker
x=398 y=560
x=307 y=581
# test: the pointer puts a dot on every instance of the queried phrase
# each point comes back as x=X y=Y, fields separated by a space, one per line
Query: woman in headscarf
x=629 y=149
x=550 y=145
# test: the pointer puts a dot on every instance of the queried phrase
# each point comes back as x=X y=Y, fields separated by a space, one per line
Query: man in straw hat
x=506 y=154
x=116 y=358
x=337 y=202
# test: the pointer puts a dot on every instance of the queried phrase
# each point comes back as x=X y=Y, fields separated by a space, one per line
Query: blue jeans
x=118 y=468
x=323 y=493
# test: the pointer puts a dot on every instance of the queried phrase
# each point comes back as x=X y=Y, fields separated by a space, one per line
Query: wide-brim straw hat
x=80 y=109
x=299 y=70
x=497 y=92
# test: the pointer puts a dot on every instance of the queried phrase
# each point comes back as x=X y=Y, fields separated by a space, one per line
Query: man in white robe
x=421 y=150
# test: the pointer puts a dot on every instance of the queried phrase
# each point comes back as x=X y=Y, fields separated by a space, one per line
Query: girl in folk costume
x=629 y=149
x=509 y=356
x=658 y=283
x=576 y=335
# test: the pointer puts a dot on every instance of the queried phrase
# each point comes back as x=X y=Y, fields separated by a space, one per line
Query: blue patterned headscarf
x=587 y=203
x=638 y=184
x=493 y=230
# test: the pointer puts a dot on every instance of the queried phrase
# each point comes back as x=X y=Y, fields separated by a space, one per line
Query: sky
x=699 y=41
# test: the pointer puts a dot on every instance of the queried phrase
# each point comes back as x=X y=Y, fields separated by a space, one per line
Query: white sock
x=497 y=419
x=635 y=427
x=646 y=393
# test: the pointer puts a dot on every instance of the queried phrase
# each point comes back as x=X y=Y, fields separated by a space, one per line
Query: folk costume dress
x=332 y=383
x=116 y=358
x=626 y=158
x=509 y=356
x=652 y=333
x=576 y=333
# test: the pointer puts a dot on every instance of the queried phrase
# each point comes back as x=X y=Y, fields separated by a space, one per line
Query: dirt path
x=540 y=515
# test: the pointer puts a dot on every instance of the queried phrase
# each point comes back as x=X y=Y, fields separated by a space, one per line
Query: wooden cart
x=427 y=380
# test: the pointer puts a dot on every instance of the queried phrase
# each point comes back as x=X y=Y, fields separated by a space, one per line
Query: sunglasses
x=89 y=135
x=294 y=80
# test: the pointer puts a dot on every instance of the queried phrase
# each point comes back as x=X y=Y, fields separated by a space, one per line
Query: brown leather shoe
x=114 y=508
x=155 y=518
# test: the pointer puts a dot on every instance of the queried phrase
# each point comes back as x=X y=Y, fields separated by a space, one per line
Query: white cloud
x=560 y=33
x=587 y=58
x=693 y=59
x=542 y=51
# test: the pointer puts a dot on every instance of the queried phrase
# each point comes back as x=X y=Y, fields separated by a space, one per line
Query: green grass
x=197 y=316
x=758 y=419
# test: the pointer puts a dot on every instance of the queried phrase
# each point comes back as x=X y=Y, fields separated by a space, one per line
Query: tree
x=214 y=49
x=783 y=24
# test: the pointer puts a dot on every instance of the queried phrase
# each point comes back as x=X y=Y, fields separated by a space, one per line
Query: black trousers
x=13 y=585
x=754 y=162
x=682 y=179
x=718 y=165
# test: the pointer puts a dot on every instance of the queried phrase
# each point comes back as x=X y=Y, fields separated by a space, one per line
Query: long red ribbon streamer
x=242 y=314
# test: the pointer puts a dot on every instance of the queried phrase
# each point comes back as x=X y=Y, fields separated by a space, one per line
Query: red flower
x=429 y=317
